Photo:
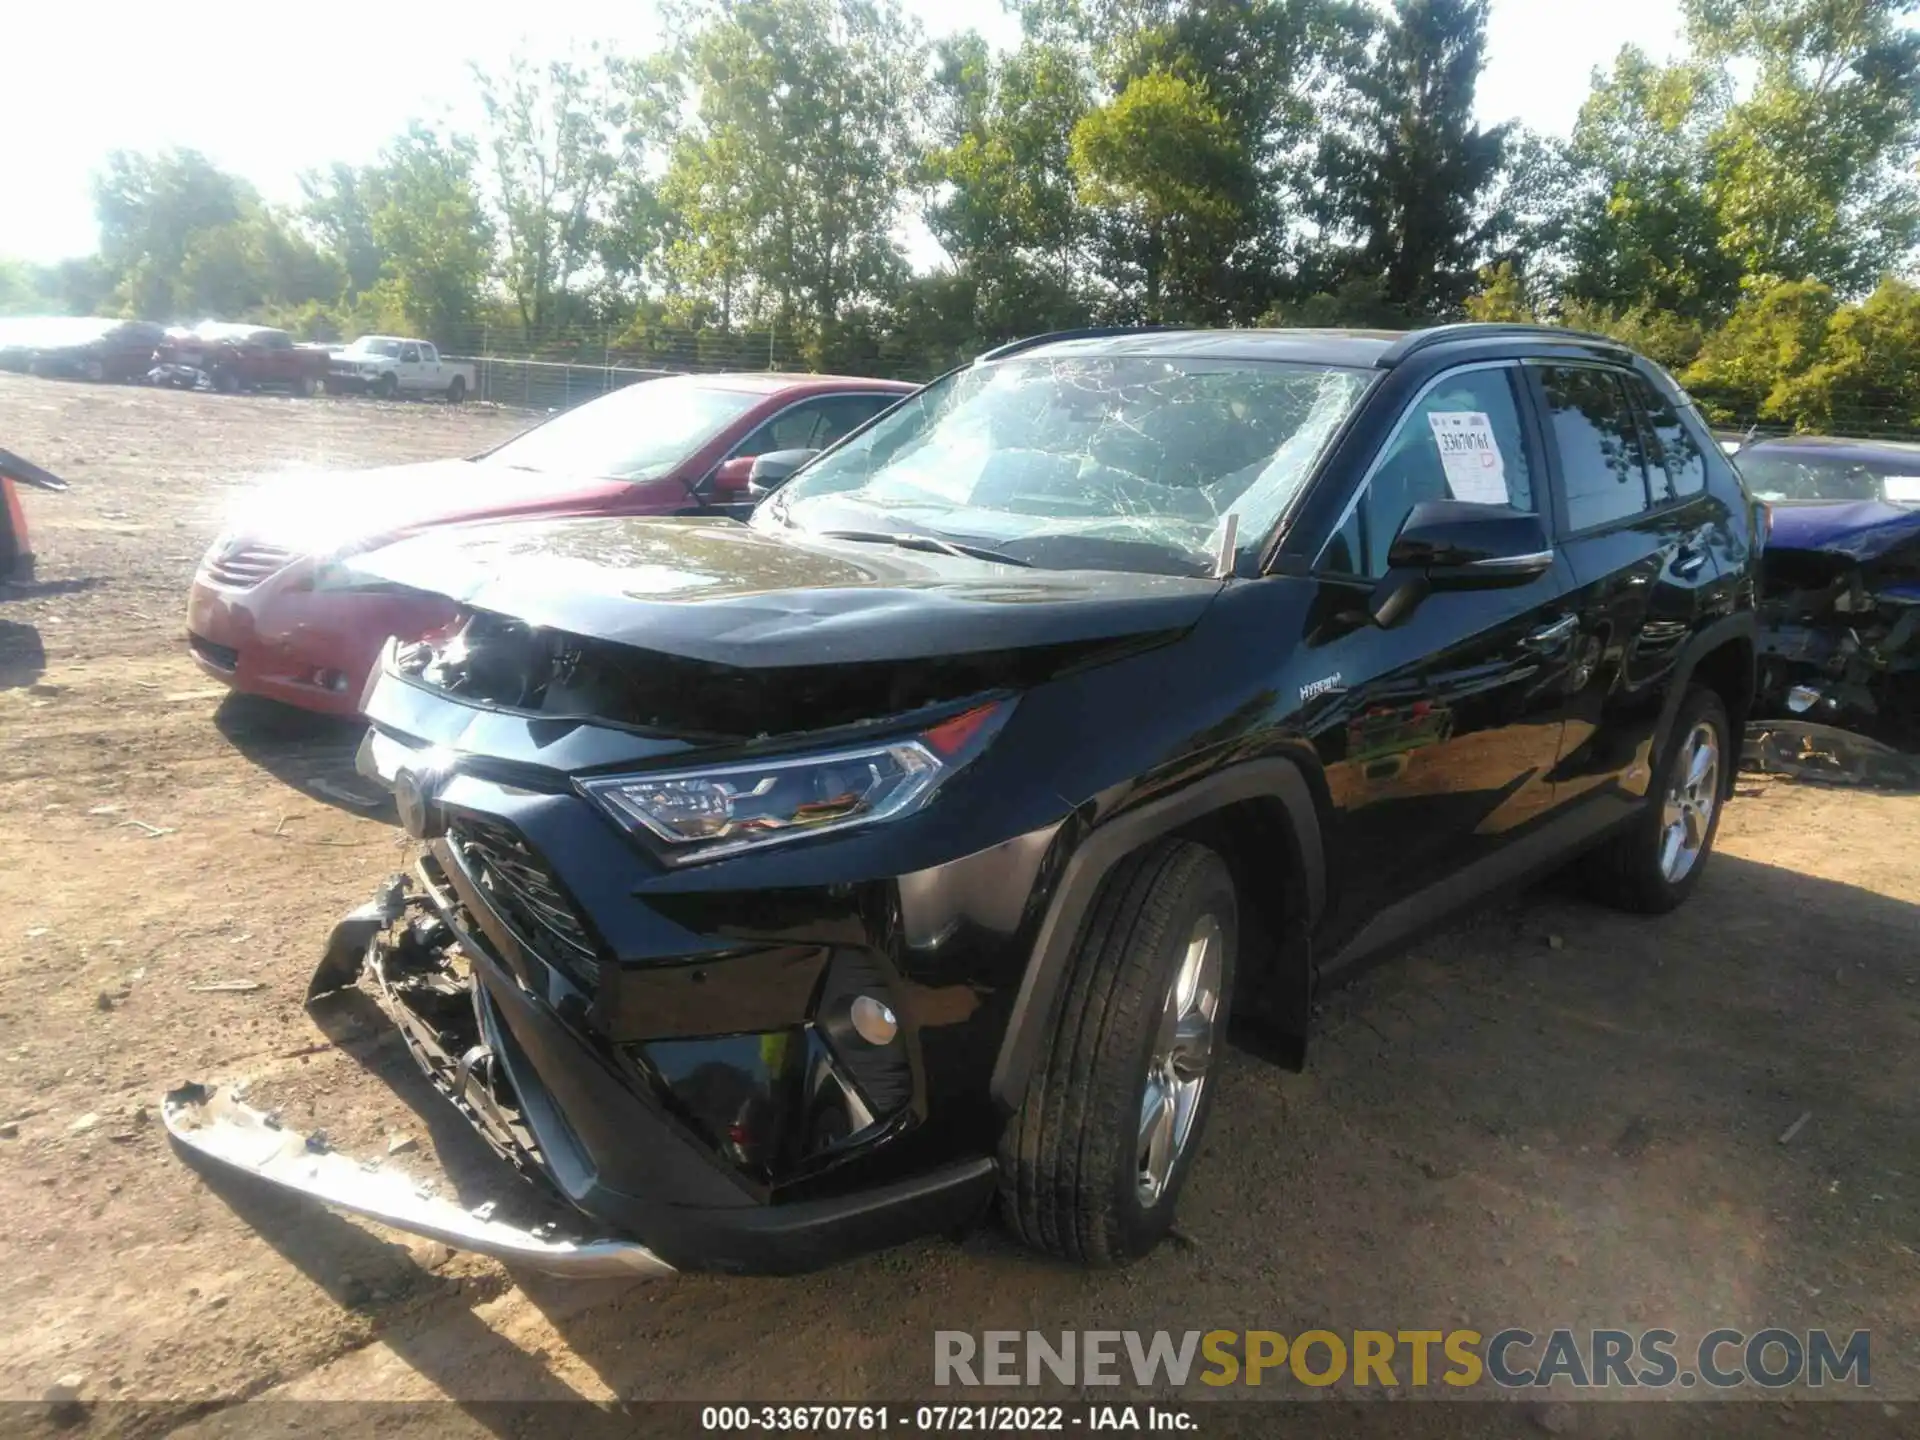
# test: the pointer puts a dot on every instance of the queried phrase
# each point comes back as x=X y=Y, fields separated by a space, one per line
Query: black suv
x=798 y=885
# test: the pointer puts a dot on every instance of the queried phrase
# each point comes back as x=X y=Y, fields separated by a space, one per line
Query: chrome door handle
x=1553 y=634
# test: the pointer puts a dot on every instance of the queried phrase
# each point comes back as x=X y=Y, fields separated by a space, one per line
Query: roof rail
x=1085 y=332
x=1486 y=330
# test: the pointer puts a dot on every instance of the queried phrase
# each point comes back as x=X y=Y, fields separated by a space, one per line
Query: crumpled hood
x=719 y=591
x=319 y=512
x=1861 y=529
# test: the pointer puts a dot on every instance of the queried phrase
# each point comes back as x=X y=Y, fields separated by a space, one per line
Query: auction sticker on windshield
x=1470 y=455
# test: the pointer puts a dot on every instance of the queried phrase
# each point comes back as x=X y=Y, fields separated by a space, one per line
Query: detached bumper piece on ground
x=217 y=1126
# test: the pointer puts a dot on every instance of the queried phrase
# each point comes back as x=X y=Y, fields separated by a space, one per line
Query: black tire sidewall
x=1141 y=1228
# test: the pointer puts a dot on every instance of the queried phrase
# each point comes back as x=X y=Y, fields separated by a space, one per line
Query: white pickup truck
x=388 y=365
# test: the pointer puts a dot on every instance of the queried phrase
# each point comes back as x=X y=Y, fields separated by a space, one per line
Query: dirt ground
x=1546 y=1114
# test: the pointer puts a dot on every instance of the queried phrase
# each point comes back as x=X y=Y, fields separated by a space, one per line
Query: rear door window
x=1462 y=440
x=1677 y=456
x=1603 y=459
x=409 y=354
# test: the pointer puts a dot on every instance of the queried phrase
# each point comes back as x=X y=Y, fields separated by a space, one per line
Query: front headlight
x=719 y=810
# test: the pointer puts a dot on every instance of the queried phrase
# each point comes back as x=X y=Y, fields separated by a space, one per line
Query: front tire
x=1093 y=1162
x=1653 y=865
x=386 y=387
x=456 y=389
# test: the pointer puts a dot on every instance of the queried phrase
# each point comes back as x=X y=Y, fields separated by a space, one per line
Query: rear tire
x=1653 y=865
x=456 y=389
x=304 y=387
x=1092 y=1164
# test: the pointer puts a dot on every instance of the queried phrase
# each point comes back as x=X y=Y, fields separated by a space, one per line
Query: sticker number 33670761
x=1470 y=456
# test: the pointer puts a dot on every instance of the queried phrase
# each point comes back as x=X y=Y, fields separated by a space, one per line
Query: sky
x=269 y=91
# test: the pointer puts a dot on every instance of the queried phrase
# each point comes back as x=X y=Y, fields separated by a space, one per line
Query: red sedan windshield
x=639 y=433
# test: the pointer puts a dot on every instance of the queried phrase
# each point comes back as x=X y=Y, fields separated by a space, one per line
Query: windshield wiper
x=910 y=541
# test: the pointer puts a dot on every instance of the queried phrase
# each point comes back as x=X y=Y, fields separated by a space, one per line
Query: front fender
x=1036 y=1006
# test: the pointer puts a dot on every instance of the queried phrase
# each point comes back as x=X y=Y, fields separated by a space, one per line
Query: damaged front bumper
x=515 y=1062
x=216 y=1126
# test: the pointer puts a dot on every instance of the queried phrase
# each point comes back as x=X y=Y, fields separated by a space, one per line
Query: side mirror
x=1456 y=545
x=774 y=469
x=730 y=476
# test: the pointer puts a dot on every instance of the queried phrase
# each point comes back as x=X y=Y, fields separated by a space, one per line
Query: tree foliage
x=794 y=166
x=742 y=196
x=1404 y=167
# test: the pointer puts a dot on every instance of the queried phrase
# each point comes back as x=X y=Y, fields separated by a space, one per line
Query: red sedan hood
x=328 y=512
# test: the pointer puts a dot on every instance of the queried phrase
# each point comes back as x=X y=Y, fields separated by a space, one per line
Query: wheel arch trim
x=1037 y=1003
x=1740 y=628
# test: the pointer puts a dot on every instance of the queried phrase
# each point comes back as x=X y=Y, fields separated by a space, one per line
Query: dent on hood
x=495 y=661
x=719 y=592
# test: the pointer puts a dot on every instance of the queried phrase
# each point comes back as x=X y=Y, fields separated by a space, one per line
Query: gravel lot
x=1547 y=1114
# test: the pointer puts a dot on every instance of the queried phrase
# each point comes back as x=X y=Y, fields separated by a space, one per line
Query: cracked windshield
x=1128 y=463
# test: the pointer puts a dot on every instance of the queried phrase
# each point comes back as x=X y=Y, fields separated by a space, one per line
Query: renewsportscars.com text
x=1511 y=1359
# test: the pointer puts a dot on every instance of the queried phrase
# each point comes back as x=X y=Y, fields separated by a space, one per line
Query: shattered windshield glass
x=1097 y=462
x=1782 y=477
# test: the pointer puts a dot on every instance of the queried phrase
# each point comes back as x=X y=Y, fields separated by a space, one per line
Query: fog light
x=873 y=1022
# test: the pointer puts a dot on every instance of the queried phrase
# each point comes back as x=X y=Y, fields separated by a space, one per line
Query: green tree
x=551 y=139
x=1268 y=69
x=1004 y=205
x=1403 y=168
x=1812 y=174
x=1165 y=170
x=1502 y=297
x=1642 y=230
x=27 y=289
x=153 y=210
x=431 y=231
x=1748 y=367
x=1867 y=376
x=794 y=166
x=337 y=209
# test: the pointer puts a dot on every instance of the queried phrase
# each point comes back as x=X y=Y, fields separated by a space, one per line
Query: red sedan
x=271 y=614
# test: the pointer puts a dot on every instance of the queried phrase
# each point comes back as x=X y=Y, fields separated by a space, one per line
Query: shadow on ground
x=311 y=753
x=23 y=655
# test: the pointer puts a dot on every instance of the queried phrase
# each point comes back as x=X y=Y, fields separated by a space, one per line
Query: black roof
x=1357 y=348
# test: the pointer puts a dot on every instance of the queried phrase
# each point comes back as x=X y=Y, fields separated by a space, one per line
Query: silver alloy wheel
x=1692 y=794
x=1182 y=1052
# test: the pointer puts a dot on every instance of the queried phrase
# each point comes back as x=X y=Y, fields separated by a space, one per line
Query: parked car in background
x=79 y=347
x=271 y=612
x=387 y=365
x=240 y=357
x=795 y=887
x=1841 y=643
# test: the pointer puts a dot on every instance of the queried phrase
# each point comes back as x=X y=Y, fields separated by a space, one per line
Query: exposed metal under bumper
x=215 y=1124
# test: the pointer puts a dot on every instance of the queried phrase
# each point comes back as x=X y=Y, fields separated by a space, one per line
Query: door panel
x=1642 y=565
x=1441 y=748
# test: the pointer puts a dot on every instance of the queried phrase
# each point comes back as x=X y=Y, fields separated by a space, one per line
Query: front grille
x=527 y=896
x=221 y=657
x=247 y=563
